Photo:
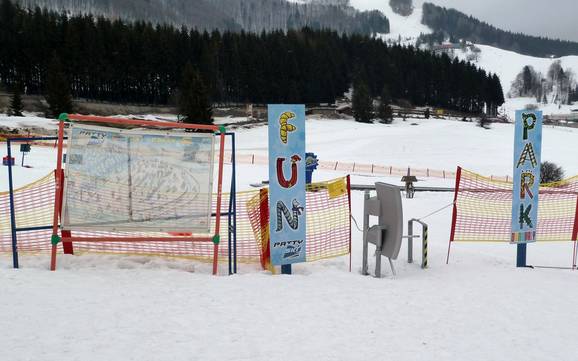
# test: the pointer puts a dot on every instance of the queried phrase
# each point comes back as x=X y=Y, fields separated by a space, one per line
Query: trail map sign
x=287 y=183
x=137 y=180
x=527 y=152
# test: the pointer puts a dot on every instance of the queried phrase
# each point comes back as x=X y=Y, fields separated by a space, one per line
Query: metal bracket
x=424 y=239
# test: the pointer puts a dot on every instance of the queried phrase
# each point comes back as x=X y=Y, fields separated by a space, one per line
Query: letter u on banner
x=287 y=206
x=527 y=152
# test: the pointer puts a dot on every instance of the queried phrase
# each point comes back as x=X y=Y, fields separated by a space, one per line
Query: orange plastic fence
x=328 y=227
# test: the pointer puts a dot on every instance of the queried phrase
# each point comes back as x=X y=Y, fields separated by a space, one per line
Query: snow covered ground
x=479 y=307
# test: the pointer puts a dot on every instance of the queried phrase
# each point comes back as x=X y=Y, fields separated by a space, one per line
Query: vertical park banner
x=527 y=152
x=287 y=183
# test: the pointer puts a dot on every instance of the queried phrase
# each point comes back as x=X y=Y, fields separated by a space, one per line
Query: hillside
x=402 y=29
x=146 y=67
x=453 y=23
x=508 y=64
x=235 y=15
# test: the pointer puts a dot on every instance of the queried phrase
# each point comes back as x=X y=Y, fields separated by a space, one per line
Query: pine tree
x=362 y=103
x=57 y=89
x=16 y=101
x=384 y=112
x=193 y=99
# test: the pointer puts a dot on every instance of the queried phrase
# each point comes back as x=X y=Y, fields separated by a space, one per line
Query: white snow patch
x=408 y=29
x=508 y=64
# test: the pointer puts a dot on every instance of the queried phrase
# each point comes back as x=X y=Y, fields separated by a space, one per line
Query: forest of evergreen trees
x=229 y=15
x=142 y=63
x=450 y=22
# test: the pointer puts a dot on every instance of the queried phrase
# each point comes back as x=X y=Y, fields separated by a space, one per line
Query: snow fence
x=328 y=226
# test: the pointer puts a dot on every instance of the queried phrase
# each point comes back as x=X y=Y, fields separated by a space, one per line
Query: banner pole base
x=286 y=269
x=521 y=255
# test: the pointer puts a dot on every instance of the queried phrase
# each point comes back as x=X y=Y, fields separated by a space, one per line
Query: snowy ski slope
x=479 y=307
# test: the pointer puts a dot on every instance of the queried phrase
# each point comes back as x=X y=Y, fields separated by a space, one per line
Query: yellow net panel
x=34 y=207
x=483 y=210
x=328 y=226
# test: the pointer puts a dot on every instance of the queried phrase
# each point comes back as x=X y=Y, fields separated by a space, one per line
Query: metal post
x=12 y=211
x=410 y=241
x=230 y=226
x=229 y=234
x=378 y=248
x=55 y=239
x=234 y=194
x=424 y=245
x=521 y=255
x=365 y=226
x=286 y=269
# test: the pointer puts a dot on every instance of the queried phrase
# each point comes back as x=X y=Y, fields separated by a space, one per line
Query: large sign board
x=527 y=152
x=287 y=184
x=137 y=180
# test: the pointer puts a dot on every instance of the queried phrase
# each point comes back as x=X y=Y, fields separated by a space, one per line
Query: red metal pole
x=455 y=211
x=67 y=247
x=264 y=226
x=57 y=196
x=219 y=197
x=136 y=239
x=96 y=119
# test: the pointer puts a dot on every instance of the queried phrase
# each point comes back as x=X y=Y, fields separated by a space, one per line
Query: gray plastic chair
x=387 y=234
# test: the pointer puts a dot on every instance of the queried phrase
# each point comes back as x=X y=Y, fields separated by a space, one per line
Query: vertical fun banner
x=527 y=152
x=287 y=183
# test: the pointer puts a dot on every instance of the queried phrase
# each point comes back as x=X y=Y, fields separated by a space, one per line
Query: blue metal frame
x=13 y=228
x=12 y=214
x=231 y=214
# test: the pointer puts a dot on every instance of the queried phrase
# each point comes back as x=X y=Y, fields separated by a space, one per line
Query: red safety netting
x=483 y=210
x=328 y=226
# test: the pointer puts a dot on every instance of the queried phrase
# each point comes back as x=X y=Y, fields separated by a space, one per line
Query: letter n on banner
x=287 y=183
x=527 y=152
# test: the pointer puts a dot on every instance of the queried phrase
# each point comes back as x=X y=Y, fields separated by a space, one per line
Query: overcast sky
x=552 y=18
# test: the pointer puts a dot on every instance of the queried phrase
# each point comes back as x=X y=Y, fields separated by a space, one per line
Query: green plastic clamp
x=63 y=117
x=222 y=130
x=55 y=239
x=216 y=239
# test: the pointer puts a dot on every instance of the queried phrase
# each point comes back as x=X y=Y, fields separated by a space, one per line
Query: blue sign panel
x=287 y=183
x=527 y=152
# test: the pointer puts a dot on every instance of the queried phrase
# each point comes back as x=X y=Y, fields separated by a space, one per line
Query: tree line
x=137 y=62
x=450 y=22
x=230 y=15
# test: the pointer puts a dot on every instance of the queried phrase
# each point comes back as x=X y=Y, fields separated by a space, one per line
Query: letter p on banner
x=287 y=206
x=527 y=152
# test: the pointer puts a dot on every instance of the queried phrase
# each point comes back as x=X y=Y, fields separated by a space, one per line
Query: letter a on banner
x=527 y=151
x=287 y=206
